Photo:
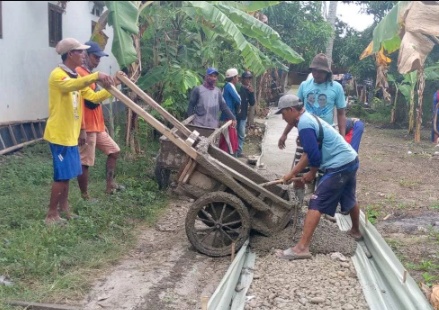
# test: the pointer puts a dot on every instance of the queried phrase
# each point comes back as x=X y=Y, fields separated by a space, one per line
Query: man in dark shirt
x=247 y=99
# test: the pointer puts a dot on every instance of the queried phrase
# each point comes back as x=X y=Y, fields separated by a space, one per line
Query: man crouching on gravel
x=326 y=149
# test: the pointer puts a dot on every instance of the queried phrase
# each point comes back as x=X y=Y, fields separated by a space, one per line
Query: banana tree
x=231 y=20
x=407 y=88
x=412 y=28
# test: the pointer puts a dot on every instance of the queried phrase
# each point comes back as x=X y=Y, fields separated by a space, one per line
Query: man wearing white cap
x=233 y=100
x=63 y=126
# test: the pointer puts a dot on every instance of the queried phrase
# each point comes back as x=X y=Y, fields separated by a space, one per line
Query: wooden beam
x=266 y=193
x=22 y=122
x=123 y=77
x=190 y=151
x=12 y=148
x=23 y=132
x=40 y=306
x=11 y=132
x=217 y=131
x=33 y=130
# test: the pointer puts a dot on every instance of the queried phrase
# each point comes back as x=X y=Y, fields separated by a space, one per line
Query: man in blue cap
x=206 y=101
x=94 y=125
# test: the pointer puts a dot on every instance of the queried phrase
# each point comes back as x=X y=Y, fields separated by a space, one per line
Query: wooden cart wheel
x=215 y=221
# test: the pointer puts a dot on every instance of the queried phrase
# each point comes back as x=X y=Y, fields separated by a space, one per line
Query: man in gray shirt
x=206 y=101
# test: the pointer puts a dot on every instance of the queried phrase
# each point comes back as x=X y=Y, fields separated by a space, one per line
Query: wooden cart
x=229 y=199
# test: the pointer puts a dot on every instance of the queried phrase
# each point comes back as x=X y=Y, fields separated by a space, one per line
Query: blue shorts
x=336 y=185
x=66 y=162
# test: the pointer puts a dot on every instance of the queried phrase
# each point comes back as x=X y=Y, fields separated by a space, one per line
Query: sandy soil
x=165 y=272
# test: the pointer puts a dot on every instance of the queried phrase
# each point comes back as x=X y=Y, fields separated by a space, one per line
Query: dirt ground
x=396 y=188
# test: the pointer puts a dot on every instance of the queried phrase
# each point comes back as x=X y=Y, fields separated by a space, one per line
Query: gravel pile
x=326 y=281
x=323 y=282
x=327 y=238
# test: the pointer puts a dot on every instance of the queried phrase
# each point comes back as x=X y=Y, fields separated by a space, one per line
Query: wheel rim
x=218 y=223
x=214 y=223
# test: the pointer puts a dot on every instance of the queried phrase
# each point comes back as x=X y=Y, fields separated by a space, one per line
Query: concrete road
x=276 y=160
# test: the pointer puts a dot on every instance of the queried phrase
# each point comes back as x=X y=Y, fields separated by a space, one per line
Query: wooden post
x=233 y=252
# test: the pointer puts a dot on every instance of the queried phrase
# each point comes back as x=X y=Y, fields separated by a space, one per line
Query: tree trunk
x=412 y=111
x=392 y=113
x=421 y=85
x=332 y=14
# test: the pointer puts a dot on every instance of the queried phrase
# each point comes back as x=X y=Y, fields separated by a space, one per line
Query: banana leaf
x=247 y=6
x=123 y=17
x=227 y=28
x=264 y=34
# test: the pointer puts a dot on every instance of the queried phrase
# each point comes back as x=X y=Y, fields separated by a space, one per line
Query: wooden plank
x=154 y=122
x=23 y=132
x=41 y=306
x=185 y=171
x=20 y=122
x=11 y=132
x=123 y=77
x=41 y=129
x=33 y=131
x=217 y=131
x=189 y=172
x=188 y=120
x=3 y=142
x=266 y=193
x=12 y=148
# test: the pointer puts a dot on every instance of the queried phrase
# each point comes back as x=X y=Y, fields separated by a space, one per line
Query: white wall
x=26 y=59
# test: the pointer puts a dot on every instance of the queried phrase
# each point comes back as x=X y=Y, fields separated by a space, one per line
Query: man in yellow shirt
x=63 y=127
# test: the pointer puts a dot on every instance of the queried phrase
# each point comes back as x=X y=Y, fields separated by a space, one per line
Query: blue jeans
x=241 y=134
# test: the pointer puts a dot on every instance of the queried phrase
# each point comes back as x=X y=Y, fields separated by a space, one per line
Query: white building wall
x=26 y=59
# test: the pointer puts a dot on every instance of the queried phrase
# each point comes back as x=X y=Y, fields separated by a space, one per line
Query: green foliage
x=378 y=9
x=123 y=17
x=372 y=214
x=48 y=262
x=386 y=33
x=301 y=26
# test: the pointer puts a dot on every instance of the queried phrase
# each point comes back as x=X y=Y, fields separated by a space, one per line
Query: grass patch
x=57 y=264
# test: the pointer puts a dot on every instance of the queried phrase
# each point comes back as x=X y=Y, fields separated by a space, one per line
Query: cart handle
x=177 y=124
x=279 y=181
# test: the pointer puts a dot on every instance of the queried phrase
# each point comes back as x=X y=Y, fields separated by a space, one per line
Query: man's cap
x=212 y=70
x=95 y=49
x=231 y=72
x=246 y=75
x=288 y=101
x=320 y=62
x=69 y=44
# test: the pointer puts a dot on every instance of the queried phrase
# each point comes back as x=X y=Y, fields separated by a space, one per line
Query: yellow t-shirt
x=65 y=108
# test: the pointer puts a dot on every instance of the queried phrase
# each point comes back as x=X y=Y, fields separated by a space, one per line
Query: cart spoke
x=231 y=213
x=226 y=234
x=213 y=211
x=235 y=230
x=232 y=223
x=204 y=229
x=208 y=215
x=207 y=235
x=222 y=212
x=206 y=221
x=214 y=237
